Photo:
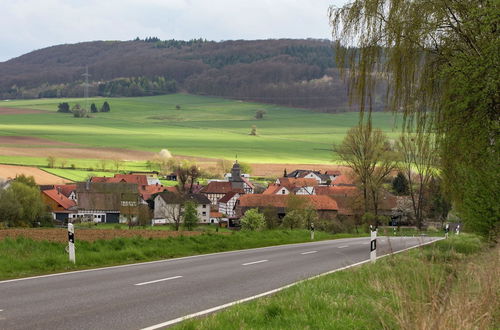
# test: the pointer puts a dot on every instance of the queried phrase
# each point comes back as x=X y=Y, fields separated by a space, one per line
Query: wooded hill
x=289 y=72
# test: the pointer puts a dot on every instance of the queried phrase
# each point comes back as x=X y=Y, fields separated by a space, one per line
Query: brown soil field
x=16 y=111
x=31 y=141
x=41 y=177
x=90 y=235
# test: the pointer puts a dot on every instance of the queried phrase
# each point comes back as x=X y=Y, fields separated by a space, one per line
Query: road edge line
x=267 y=293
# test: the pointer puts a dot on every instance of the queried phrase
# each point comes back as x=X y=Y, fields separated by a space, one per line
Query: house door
x=103 y=218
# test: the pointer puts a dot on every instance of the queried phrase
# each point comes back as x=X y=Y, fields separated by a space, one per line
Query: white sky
x=27 y=25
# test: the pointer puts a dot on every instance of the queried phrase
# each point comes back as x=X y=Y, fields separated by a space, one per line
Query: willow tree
x=439 y=60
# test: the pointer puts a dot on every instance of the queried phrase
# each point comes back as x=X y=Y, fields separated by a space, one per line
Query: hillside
x=205 y=127
x=297 y=73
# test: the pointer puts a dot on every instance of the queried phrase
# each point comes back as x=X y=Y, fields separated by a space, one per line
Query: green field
x=204 y=126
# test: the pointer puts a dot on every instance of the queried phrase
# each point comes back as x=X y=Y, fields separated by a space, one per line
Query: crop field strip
x=207 y=127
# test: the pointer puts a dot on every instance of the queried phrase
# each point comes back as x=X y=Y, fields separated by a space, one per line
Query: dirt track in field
x=16 y=111
x=90 y=235
x=31 y=141
x=41 y=177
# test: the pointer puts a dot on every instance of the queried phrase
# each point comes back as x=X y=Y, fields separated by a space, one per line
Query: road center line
x=342 y=246
x=309 y=252
x=160 y=280
x=254 y=262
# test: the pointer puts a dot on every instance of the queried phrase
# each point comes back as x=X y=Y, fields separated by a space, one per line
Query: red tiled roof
x=217 y=187
x=140 y=179
x=147 y=191
x=337 y=190
x=317 y=202
x=227 y=197
x=65 y=189
x=214 y=214
x=298 y=182
x=272 y=189
x=343 y=180
x=62 y=200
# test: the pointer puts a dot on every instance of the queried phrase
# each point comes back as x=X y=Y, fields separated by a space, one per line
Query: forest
x=291 y=72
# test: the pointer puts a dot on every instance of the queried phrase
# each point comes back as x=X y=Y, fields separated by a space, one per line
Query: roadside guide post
x=457 y=229
x=312 y=231
x=71 y=242
x=373 y=244
x=446 y=230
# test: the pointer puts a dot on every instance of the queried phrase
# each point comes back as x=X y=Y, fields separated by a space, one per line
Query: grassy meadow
x=202 y=127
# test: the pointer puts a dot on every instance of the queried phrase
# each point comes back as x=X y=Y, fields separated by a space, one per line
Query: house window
x=204 y=213
x=283 y=191
x=204 y=206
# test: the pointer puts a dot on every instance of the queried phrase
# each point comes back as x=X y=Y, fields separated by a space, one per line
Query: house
x=296 y=186
x=108 y=202
x=215 y=190
x=169 y=207
x=310 y=174
x=228 y=202
x=62 y=207
x=151 y=176
x=325 y=206
x=218 y=217
x=68 y=190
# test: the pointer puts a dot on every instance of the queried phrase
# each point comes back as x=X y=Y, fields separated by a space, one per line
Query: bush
x=253 y=220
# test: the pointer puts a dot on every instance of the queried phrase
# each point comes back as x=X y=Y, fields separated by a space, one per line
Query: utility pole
x=86 y=87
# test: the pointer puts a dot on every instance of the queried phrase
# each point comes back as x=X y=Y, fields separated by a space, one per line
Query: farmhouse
x=321 y=178
x=108 y=202
x=296 y=186
x=169 y=207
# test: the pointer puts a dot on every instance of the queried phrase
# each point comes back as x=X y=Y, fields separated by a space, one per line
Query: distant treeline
x=299 y=73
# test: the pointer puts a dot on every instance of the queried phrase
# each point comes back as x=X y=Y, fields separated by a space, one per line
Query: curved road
x=148 y=294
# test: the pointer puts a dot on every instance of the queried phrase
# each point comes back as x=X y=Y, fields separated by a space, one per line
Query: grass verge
x=23 y=257
x=447 y=285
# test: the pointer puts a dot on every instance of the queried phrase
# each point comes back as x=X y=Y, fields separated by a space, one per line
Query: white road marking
x=342 y=246
x=174 y=259
x=254 y=262
x=160 y=280
x=214 y=309
x=1 y=310
x=309 y=252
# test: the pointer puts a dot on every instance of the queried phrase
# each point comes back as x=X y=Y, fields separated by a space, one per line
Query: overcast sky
x=28 y=25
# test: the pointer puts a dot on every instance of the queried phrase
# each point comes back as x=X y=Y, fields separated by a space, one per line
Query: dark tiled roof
x=217 y=187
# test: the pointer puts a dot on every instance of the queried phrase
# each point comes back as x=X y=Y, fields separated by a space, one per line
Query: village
x=141 y=199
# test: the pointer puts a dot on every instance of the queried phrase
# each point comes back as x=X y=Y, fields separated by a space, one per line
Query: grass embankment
x=22 y=257
x=447 y=285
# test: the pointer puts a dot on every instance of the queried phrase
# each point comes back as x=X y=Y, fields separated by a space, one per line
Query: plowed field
x=90 y=235
x=41 y=177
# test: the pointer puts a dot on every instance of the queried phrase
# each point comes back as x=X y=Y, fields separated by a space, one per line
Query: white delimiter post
x=373 y=245
x=71 y=242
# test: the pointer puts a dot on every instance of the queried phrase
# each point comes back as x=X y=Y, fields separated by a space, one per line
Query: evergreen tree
x=105 y=107
x=63 y=107
x=93 y=108
x=400 y=184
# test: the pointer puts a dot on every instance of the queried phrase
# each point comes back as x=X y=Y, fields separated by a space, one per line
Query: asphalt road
x=142 y=295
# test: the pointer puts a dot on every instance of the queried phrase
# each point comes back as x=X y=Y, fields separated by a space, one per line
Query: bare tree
x=419 y=162
x=365 y=150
